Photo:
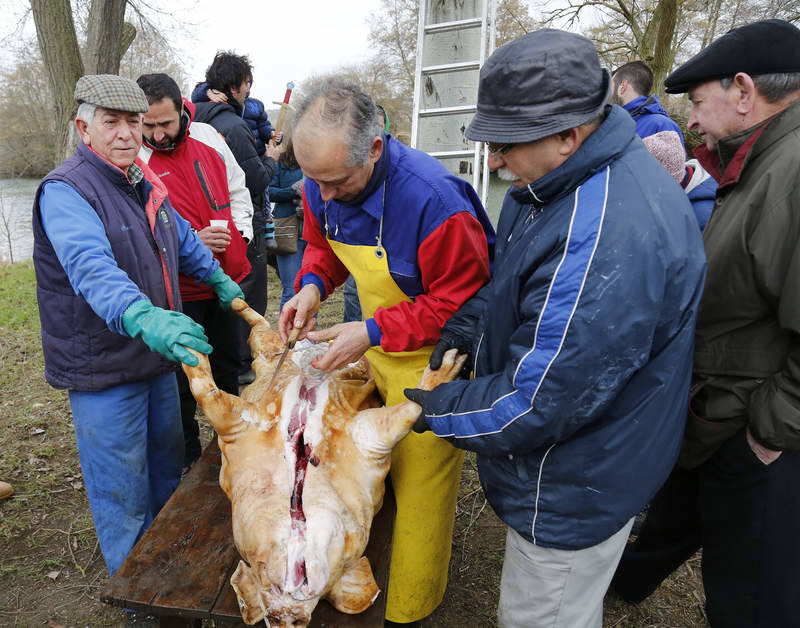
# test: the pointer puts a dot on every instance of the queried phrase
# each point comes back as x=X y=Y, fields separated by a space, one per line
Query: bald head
x=339 y=108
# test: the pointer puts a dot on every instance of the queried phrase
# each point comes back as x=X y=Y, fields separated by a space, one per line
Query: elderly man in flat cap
x=108 y=247
x=582 y=341
x=736 y=491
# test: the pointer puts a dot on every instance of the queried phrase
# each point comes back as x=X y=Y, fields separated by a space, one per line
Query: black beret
x=766 y=47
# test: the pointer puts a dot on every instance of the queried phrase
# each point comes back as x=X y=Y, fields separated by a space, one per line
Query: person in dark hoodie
x=232 y=74
x=253 y=112
x=632 y=84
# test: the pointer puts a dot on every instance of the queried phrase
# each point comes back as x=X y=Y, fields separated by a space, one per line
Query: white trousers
x=551 y=588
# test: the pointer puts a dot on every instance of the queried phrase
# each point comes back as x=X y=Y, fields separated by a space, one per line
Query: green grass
x=18 y=310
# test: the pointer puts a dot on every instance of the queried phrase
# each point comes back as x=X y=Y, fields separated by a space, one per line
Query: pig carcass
x=303 y=463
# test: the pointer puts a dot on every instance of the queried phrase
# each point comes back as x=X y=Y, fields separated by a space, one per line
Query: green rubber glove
x=165 y=331
x=225 y=287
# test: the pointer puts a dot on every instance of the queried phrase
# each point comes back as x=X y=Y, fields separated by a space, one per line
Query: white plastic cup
x=218 y=223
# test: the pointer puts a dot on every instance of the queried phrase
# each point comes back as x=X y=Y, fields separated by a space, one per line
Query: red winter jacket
x=197 y=185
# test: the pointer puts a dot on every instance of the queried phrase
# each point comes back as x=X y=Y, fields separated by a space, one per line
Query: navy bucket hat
x=537 y=85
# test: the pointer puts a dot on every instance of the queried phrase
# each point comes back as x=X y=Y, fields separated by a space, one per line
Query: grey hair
x=773 y=87
x=344 y=106
x=86 y=112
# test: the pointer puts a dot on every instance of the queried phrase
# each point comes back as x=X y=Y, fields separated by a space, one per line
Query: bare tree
x=103 y=50
x=108 y=38
x=26 y=120
x=55 y=30
x=393 y=34
x=662 y=33
x=7 y=226
x=513 y=19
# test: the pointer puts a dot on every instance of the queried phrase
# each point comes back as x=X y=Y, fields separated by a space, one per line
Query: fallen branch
x=74 y=560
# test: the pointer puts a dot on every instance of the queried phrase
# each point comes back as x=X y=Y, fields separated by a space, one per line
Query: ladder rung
x=443 y=111
x=450 y=154
x=450 y=67
x=441 y=27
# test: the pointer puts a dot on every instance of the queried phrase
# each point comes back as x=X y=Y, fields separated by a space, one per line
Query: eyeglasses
x=498 y=150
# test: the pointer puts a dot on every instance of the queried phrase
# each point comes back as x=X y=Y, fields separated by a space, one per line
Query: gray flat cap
x=111 y=92
x=539 y=84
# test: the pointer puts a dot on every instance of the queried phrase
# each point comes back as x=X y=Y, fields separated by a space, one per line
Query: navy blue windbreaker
x=584 y=339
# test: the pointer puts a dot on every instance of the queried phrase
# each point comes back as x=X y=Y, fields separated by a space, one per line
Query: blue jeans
x=352 y=306
x=130 y=443
x=288 y=267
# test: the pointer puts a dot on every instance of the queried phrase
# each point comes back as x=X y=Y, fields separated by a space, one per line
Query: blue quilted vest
x=80 y=351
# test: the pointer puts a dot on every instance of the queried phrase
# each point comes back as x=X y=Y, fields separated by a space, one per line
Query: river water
x=16 y=233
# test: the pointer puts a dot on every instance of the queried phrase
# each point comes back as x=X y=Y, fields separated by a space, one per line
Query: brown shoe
x=5 y=490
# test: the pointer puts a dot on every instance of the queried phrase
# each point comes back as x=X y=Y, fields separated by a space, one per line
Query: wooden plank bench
x=180 y=569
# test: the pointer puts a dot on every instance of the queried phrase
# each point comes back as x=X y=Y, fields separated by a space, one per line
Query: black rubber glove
x=450 y=340
x=419 y=396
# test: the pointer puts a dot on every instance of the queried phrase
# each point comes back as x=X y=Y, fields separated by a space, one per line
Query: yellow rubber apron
x=425 y=471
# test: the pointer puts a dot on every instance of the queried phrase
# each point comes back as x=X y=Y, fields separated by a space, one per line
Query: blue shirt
x=81 y=244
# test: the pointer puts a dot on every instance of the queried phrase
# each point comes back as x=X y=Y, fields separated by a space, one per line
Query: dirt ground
x=51 y=570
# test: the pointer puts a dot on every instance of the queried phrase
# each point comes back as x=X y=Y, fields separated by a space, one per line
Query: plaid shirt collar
x=135 y=174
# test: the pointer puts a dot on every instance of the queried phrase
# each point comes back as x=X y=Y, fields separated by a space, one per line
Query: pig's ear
x=222 y=410
x=356 y=590
x=357 y=394
x=247 y=590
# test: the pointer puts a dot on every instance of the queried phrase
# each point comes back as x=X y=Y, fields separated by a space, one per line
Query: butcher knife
x=289 y=346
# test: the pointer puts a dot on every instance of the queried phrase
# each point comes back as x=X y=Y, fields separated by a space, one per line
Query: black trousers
x=221 y=329
x=254 y=287
x=746 y=517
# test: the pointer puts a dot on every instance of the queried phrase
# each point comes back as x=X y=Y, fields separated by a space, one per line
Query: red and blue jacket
x=437 y=236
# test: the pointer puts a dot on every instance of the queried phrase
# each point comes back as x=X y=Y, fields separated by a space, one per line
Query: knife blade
x=289 y=346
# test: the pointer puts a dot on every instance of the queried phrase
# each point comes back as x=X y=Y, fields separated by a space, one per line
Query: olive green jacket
x=747 y=342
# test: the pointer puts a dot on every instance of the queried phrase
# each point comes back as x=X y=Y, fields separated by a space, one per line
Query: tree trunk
x=128 y=35
x=663 y=51
x=103 y=49
x=58 y=43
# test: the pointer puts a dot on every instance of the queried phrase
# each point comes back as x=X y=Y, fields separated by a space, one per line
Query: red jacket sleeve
x=454 y=262
x=319 y=261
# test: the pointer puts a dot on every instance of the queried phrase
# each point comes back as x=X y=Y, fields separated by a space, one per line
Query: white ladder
x=454 y=39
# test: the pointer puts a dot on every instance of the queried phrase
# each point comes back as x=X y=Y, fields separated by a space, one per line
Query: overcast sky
x=288 y=40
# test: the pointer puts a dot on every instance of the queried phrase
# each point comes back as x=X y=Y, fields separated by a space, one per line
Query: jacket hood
x=604 y=145
x=207 y=111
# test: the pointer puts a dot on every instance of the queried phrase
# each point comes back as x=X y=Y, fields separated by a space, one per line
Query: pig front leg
x=376 y=431
x=222 y=410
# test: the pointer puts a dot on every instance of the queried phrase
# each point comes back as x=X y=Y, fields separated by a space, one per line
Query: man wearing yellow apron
x=417 y=241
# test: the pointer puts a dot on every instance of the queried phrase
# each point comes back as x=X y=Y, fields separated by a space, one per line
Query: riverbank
x=16 y=233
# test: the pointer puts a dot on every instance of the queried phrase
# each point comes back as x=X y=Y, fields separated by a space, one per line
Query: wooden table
x=180 y=569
